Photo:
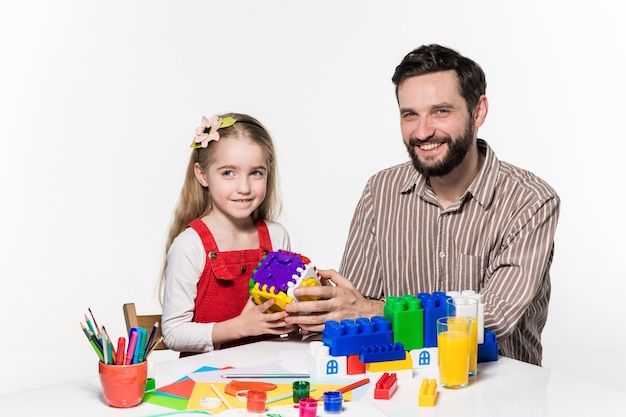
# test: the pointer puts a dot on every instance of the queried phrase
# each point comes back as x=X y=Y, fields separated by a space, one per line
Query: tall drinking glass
x=461 y=306
x=453 y=340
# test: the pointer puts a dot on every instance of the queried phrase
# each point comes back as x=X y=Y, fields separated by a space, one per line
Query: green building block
x=406 y=316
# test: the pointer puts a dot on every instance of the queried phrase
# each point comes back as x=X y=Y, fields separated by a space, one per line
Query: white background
x=99 y=102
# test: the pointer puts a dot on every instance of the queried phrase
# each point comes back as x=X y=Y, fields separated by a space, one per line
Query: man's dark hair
x=435 y=58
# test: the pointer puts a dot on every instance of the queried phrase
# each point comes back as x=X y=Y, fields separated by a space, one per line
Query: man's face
x=436 y=125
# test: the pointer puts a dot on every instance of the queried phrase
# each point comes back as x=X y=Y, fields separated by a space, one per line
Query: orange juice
x=473 y=360
x=453 y=358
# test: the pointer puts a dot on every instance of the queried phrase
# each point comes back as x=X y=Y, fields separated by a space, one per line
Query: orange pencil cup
x=123 y=385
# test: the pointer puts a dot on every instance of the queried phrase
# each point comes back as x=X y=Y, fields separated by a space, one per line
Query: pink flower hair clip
x=208 y=130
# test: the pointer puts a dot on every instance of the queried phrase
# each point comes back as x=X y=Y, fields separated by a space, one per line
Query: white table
x=503 y=388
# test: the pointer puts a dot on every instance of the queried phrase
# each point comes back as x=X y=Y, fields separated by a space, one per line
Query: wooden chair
x=146 y=321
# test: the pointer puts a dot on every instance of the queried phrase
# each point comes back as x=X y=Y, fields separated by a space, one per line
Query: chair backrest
x=145 y=321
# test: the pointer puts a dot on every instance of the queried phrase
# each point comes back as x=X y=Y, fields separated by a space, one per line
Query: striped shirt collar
x=482 y=189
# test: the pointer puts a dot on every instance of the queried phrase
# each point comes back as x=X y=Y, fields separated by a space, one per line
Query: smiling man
x=453 y=218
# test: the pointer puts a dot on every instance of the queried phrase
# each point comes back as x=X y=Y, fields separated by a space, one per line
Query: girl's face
x=236 y=178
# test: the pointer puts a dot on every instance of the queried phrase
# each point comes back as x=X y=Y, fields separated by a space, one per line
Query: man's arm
x=520 y=273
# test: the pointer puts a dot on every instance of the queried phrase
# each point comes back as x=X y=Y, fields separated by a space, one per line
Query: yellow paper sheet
x=203 y=389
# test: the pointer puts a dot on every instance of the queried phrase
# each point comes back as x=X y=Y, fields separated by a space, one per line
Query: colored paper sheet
x=181 y=388
x=203 y=389
x=169 y=401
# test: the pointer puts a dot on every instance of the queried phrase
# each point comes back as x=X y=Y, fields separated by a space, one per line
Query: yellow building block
x=428 y=393
x=406 y=363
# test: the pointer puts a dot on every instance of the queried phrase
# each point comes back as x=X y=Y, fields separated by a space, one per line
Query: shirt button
x=213 y=255
x=442 y=254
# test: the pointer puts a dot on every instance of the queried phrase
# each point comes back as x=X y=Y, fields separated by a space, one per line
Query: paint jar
x=300 y=390
x=256 y=401
x=308 y=407
x=333 y=402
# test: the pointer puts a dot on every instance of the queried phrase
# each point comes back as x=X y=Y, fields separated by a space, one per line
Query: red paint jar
x=256 y=401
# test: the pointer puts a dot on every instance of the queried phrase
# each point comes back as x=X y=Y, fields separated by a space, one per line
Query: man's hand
x=337 y=300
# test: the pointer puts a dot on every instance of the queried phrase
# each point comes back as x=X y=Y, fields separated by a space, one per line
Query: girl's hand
x=252 y=321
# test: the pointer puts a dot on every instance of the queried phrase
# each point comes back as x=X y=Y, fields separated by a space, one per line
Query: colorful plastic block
x=407 y=320
x=488 y=351
x=428 y=393
x=434 y=306
x=321 y=363
x=346 y=338
x=386 y=386
x=355 y=366
x=388 y=366
x=278 y=274
x=425 y=358
x=382 y=353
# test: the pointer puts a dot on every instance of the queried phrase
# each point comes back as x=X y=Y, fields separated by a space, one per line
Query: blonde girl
x=223 y=225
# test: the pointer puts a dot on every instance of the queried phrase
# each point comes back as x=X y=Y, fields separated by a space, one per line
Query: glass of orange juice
x=462 y=306
x=453 y=340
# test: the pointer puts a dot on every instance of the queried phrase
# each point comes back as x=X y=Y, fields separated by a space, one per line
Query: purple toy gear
x=278 y=269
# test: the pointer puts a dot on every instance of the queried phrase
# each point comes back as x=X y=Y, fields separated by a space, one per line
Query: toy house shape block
x=425 y=357
x=320 y=363
x=407 y=320
x=347 y=337
x=278 y=274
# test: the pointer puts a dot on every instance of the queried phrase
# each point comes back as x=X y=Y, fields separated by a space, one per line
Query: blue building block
x=488 y=351
x=382 y=353
x=347 y=337
x=434 y=306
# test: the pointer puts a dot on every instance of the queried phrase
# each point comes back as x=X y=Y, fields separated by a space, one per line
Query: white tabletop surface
x=503 y=388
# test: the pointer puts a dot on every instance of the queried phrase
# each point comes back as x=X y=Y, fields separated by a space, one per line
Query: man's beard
x=457 y=149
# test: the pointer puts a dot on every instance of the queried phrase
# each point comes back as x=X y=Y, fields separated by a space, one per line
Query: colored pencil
x=105 y=350
x=92 y=341
x=152 y=334
x=82 y=326
x=154 y=345
x=351 y=386
x=110 y=346
x=219 y=394
x=96 y=348
x=266 y=375
x=89 y=324
x=95 y=323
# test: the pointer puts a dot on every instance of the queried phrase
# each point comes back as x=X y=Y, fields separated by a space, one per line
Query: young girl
x=222 y=227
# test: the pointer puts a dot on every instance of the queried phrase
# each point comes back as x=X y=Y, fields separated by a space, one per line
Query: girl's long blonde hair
x=195 y=201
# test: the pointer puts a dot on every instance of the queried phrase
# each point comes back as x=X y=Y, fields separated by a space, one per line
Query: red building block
x=386 y=386
x=355 y=366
